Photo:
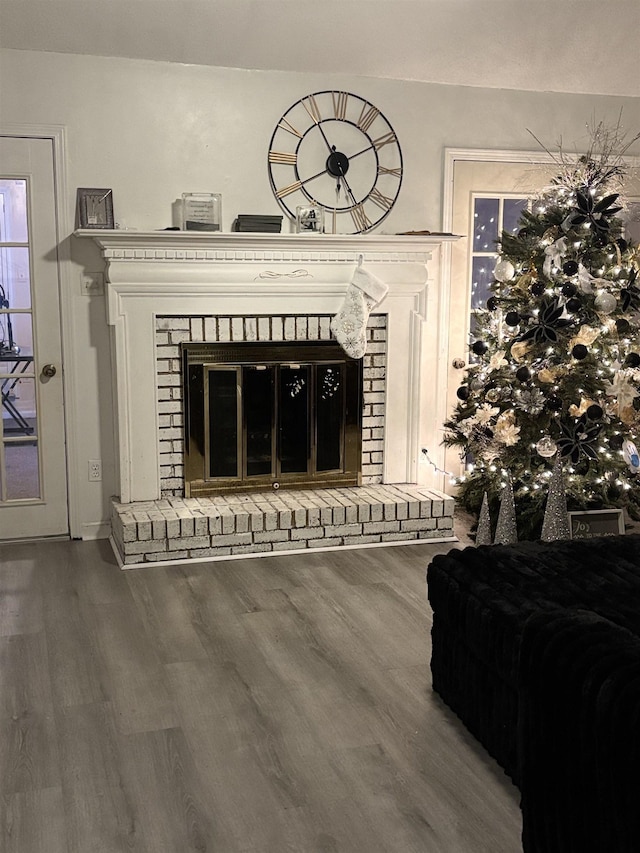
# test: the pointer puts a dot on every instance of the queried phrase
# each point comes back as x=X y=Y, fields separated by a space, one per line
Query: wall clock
x=337 y=150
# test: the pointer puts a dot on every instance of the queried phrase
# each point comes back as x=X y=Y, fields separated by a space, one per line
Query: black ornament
x=570 y=267
x=594 y=412
x=622 y=326
x=492 y=303
x=549 y=319
x=632 y=360
x=615 y=442
x=523 y=374
x=523 y=233
x=537 y=288
x=463 y=392
x=479 y=347
x=622 y=244
x=512 y=318
x=596 y=213
x=579 y=351
x=630 y=296
x=554 y=403
x=574 y=304
x=569 y=289
x=578 y=438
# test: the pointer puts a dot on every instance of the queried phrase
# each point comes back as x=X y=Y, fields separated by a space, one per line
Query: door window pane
x=513 y=208
x=21 y=470
x=481 y=278
x=15 y=284
x=257 y=398
x=485 y=224
x=16 y=334
x=13 y=210
x=294 y=419
x=18 y=405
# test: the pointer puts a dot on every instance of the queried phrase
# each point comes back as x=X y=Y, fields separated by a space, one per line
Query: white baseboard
x=95 y=530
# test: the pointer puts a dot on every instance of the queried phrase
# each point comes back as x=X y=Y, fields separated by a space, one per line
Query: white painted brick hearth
x=228 y=526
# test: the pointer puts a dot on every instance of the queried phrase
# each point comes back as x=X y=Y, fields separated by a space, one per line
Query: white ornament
x=547 y=447
x=553 y=256
x=605 y=303
x=631 y=457
x=504 y=271
x=584 y=279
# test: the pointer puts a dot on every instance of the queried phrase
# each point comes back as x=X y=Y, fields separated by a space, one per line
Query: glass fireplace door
x=267 y=423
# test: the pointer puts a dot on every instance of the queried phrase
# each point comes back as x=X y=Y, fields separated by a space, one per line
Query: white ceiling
x=578 y=46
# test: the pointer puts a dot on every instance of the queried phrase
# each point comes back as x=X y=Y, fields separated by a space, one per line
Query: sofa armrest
x=579 y=734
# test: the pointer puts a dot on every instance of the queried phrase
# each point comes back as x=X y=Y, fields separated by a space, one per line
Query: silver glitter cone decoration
x=506 y=530
x=556 y=520
x=483 y=533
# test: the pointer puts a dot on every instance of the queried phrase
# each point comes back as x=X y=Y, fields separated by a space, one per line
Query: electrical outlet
x=92 y=283
x=95 y=470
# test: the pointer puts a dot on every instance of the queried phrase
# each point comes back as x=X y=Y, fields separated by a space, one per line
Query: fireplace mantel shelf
x=114 y=242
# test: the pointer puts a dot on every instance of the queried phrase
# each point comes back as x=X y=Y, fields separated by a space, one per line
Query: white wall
x=152 y=131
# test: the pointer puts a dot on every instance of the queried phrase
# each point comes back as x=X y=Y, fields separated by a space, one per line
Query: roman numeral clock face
x=339 y=151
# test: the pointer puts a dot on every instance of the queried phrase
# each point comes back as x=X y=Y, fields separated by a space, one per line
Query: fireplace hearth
x=265 y=415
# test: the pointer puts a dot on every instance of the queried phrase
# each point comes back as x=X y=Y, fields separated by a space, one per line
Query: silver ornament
x=605 y=303
x=492 y=395
x=504 y=271
x=531 y=400
x=547 y=447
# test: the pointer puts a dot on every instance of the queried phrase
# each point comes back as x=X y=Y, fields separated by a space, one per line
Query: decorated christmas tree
x=556 y=352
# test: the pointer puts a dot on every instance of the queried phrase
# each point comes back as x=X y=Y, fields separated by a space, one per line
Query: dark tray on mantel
x=255 y=222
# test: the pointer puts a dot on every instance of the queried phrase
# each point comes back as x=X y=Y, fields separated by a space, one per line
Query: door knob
x=49 y=370
x=459 y=363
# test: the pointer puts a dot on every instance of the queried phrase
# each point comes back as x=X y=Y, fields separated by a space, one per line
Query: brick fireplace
x=165 y=288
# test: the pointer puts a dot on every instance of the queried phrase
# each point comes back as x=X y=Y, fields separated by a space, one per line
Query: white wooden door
x=33 y=479
x=485 y=198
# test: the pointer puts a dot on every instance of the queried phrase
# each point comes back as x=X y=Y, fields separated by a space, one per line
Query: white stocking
x=349 y=325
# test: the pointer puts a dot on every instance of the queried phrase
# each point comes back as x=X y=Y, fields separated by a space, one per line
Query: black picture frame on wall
x=95 y=208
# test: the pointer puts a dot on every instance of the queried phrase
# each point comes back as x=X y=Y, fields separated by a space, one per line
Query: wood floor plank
x=101 y=811
x=265 y=766
x=171 y=811
x=20 y=598
x=218 y=627
x=134 y=677
x=165 y=615
x=28 y=741
x=75 y=662
x=33 y=822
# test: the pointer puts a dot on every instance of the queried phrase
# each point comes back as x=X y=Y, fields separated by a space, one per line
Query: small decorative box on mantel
x=201 y=212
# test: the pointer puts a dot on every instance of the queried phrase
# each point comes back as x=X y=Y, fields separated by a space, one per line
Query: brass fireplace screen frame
x=199 y=359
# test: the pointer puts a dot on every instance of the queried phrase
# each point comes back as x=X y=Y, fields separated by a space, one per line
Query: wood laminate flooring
x=275 y=705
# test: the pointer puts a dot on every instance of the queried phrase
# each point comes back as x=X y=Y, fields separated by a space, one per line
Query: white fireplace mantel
x=169 y=272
